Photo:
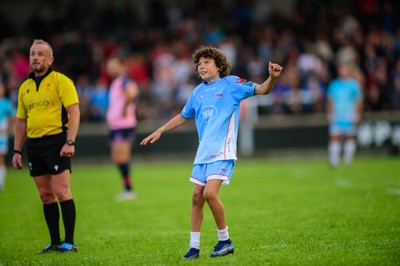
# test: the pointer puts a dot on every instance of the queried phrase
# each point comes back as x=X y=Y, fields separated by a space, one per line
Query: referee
x=48 y=116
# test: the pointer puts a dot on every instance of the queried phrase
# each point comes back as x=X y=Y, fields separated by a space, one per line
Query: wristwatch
x=70 y=142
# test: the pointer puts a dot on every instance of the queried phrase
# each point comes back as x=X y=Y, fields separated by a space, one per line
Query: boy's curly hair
x=214 y=53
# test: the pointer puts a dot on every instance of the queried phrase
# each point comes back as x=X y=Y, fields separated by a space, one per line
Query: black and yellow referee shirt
x=42 y=103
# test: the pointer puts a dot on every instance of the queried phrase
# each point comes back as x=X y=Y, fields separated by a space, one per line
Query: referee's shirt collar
x=40 y=78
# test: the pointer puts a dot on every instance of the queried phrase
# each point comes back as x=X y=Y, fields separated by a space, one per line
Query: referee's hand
x=17 y=161
x=67 y=151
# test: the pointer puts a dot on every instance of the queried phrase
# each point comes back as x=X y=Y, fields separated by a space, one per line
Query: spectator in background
x=99 y=101
x=121 y=121
x=84 y=89
x=7 y=120
x=344 y=109
x=165 y=79
x=12 y=85
x=396 y=85
x=20 y=64
x=310 y=34
x=313 y=95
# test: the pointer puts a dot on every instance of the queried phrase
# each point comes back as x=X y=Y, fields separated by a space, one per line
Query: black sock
x=124 y=169
x=52 y=217
x=69 y=216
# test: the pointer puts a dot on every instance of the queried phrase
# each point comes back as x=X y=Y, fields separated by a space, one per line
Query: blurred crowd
x=308 y=41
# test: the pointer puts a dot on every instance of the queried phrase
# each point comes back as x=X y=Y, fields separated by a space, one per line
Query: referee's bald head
x=40 y=41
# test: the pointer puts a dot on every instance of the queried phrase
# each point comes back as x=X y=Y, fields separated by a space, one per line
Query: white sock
x=349 y=150
x=194 y=240
x=2 y=176
x=223 y=234
x=334 y=152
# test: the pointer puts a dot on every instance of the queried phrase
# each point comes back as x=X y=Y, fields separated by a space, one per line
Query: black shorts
x=44 y=155
x=124 y=134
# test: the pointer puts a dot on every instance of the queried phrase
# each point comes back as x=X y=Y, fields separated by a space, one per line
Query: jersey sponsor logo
x=208 y=113
x=244 y=82
x=39 y=104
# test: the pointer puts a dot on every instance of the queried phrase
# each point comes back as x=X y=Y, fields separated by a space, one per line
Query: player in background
x=48 y=117
x=121 y=121
x=214 y=105
x=344 y=108
x=7 y=121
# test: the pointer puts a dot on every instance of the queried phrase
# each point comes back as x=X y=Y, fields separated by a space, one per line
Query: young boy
x=214 y=104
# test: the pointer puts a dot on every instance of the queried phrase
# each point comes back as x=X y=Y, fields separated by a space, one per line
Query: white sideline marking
x=394 y=191
x=299 y=173
x=343 y=182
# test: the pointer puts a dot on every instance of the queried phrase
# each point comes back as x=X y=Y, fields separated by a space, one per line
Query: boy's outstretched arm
x=275 y=71
x=175 y=122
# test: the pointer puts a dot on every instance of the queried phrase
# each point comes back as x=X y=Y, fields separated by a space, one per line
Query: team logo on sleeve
x=208 y=113
x=244 y=82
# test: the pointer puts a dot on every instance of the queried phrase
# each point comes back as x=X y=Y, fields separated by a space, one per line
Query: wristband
x=16 y=151
x=163 y=130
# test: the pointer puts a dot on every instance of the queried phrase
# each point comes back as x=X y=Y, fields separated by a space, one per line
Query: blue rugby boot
x=49 y=248
x=193 y=253
x=68 y=247
x=223 y=248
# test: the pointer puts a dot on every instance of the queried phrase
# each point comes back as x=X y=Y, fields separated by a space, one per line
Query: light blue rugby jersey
x=7 y=110
x=344 y=93
x=215 y=108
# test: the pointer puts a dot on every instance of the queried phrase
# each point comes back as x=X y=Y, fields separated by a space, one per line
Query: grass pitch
x=293 y=212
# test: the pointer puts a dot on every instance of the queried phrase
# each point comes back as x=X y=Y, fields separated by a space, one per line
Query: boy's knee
x=197 y=197
x=210 y=196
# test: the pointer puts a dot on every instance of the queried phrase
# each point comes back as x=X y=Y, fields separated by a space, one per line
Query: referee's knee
x=47 y=197
x=63 y=194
